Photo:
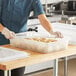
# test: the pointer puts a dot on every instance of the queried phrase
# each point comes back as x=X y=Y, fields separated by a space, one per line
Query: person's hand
x=57 y=34
x=7 y=33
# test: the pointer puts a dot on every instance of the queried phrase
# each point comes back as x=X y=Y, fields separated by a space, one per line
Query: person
x=13 y=19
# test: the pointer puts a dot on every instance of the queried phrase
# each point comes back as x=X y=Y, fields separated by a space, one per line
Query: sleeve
x=37 y=7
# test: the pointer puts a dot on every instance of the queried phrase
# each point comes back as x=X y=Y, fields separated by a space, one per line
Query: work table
x=36 y=57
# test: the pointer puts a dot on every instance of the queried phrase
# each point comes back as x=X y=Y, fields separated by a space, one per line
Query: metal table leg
x=56 y=67
x=7 y=73
x=65 y=67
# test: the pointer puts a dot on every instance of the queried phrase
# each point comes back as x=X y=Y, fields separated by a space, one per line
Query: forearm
x=1 y=27
x=45 y=23
x=6 y=32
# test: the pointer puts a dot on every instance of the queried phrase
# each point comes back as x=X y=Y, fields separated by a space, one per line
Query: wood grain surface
x=36 y=57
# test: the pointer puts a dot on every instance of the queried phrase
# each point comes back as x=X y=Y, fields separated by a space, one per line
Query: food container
x=42 y=45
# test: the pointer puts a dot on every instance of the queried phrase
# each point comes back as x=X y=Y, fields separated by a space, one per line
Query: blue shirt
x=15 y=13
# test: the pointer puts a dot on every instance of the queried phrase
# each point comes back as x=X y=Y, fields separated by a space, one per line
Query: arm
x=47 y=25
x=45 y=22
x=6 y=32
x=1 y=27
